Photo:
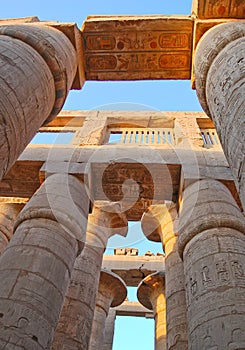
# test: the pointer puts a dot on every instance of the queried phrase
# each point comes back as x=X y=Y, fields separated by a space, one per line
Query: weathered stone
x=212 y=243
x=75 y=324
x=220 y=85
x=112 y=292
x=36 y=266
x=151 y=294
x=160 y=223
x=37 y=66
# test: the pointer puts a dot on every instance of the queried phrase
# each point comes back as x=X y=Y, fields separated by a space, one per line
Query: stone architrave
x=151 y=294
x=35 y=267
x=219 y=68
x=159 y=223
x=75 y=324
x=111 y=293
x=212 y=245
x=37 y=67
x=8 y=215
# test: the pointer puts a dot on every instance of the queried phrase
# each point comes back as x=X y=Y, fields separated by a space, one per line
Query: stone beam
x=137 y=47
x=132 y=269
x=133 y=308
x=206 y=9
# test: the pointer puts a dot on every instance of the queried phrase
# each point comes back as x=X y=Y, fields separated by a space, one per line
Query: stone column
x=112 y=292
x=37 y=67
x=219 y=67
x=35 y=267
x=151 y=294
x=212 y=244
x=75 y=324
x=109 y=330
x=8 y=215
x=159 y=223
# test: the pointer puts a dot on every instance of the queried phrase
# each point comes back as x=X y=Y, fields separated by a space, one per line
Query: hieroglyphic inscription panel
x=136 y=48
x=135 y=185
x=206 y=9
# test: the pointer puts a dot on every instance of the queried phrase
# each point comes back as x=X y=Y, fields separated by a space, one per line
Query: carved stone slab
x=137 y=48
x=206 y=9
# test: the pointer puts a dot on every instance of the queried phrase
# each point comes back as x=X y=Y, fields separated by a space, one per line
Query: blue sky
x=131 y=333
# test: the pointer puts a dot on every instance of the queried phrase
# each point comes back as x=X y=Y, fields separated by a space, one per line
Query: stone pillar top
x=208 y=48
x=207 y=204
x=110 y=283
x=155 y=220
x=147 y=287
x=115 y=219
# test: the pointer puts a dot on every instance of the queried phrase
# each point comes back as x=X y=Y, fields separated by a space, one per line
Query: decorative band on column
x=56 y=50
x=210 y=45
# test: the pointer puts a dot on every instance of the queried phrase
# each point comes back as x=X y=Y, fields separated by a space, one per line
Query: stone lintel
x=205 y=9
x=137 y=47
x=29 y=19
x=133 y=268
x=79 y=170
x=133 y=308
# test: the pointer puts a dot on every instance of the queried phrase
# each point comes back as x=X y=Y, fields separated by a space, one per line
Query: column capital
x=111 y=286
x=208 y=48
x=53 y=46
x=158 y=223
x=63 y=199
x=150 y=285
x=207 y=204
x=107 y=219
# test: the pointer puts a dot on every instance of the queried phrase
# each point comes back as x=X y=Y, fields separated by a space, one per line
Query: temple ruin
x=181 y=174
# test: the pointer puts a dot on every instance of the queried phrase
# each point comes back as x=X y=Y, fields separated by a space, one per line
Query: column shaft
x=220 y=85
x=109 y=330
x=37 y=68
x=37 y=264
x=212 y=244
x=159 y=223
x=8 y=214
x=112 y=292
x=75 y=324
x=151 y=294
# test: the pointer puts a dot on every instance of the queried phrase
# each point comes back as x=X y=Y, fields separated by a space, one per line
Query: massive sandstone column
x=151 y=294
x=37 y=67
x=75 y=324
x=212 y=244
x=111 y=293
x=159 y=223
x=109 y=330
x=35 y=267
x=220 y=84
x=8 y=215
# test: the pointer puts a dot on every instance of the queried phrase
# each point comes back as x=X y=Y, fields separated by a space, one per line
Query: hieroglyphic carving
x=160 y=52
x=209 y=276
x=100 y=42
x=220 y=9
